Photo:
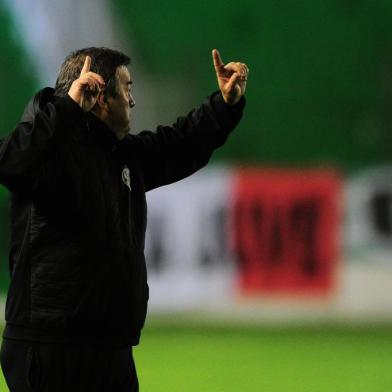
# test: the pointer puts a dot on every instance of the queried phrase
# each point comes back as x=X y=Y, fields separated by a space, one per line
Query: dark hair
x=104 y=61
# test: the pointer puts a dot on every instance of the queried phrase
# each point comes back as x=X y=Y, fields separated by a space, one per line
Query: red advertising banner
x=284 y=227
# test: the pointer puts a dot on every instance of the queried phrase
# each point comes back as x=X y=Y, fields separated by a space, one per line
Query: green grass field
x=187 y=359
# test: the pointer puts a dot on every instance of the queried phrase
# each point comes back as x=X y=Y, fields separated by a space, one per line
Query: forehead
x=123 y=75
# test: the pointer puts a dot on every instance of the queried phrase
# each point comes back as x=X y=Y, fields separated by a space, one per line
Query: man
x=78 y=295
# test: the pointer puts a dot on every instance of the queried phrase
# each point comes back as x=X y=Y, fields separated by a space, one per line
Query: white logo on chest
x=126 y=177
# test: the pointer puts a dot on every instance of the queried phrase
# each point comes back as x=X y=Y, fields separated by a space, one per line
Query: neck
x=119 y=134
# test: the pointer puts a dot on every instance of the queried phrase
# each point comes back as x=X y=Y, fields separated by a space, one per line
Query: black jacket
x=78 y=215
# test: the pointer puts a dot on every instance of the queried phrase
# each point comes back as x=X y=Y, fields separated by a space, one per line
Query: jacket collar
x=100 y=134
x=94 y=132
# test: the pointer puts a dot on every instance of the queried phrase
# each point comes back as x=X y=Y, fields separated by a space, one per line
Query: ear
x=102 y=102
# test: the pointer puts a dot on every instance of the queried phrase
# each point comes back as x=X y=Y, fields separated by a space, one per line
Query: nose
x=132 y=102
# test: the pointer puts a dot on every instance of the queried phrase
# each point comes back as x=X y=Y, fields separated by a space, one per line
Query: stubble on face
x=120 y=105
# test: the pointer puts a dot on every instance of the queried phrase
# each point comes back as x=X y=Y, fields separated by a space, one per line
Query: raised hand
x=232 y=78
x=85 y=90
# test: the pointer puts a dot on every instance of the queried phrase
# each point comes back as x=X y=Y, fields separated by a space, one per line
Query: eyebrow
x=129 y=83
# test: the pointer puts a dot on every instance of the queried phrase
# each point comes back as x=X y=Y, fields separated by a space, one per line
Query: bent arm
x=25 y=152
x=173 y=153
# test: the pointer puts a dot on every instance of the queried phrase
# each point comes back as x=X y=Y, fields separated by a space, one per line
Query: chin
x=121 y=134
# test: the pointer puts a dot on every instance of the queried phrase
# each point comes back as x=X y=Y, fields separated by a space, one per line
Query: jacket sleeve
x=173 y=153
x=24 y=154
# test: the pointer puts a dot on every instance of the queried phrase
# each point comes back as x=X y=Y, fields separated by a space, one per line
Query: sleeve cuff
x=227 y=114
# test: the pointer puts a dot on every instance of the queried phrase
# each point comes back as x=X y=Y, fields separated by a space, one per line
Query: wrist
x=224 y=109
x=231 y=101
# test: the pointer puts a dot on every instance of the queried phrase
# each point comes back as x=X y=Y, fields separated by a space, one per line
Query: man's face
x=120 y=106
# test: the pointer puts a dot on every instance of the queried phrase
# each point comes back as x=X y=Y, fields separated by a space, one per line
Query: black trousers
x=42 y=367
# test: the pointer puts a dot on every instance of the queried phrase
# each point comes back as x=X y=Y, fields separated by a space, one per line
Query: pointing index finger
x=86 y=65
x=218 y=63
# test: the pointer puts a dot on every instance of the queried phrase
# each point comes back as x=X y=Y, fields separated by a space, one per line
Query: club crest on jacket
x=126 y=177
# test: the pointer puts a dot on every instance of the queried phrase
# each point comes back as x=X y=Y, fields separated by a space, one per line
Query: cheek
x=126 y=109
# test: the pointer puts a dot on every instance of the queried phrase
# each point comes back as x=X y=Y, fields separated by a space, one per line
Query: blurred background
x=272 y=268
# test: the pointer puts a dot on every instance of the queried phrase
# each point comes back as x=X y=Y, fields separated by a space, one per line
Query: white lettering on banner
x=186 y=251
x=368 y=226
